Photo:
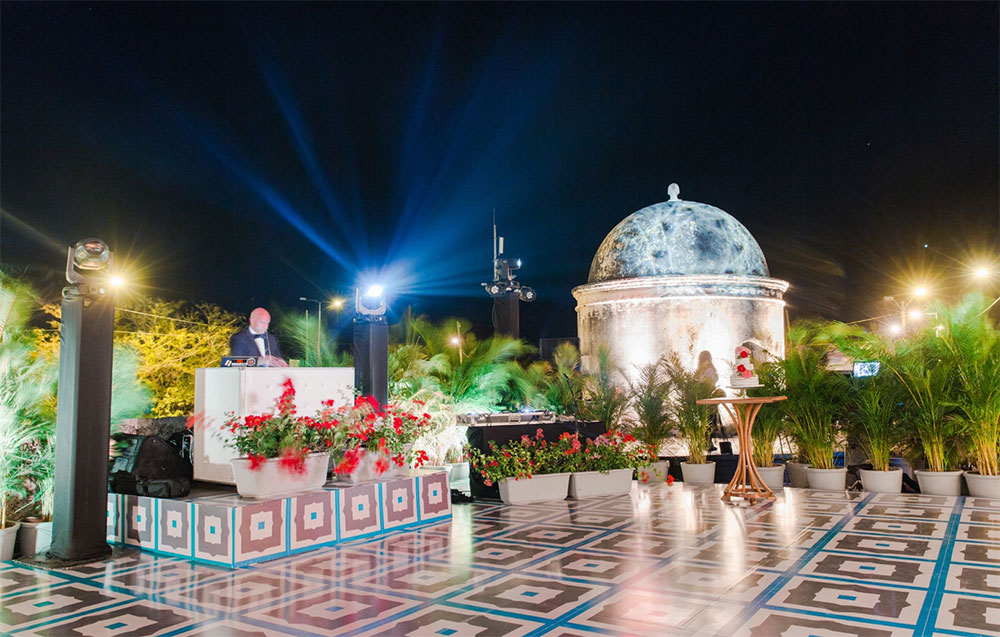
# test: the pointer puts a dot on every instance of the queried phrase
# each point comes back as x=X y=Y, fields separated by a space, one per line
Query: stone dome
x=677 y=238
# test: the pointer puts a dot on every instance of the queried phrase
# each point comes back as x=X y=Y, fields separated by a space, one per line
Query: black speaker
x=507 y=315
x=371 y=357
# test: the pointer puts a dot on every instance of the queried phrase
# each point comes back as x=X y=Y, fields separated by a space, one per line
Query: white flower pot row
x=698 y=473
x=891 y=481
x=552 y=487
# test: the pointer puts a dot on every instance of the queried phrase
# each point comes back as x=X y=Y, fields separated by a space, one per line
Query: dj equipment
x=239 y=361
x=151 y=466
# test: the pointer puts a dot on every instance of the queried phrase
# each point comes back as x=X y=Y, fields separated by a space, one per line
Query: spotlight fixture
x=372 y=302
x=87 y=257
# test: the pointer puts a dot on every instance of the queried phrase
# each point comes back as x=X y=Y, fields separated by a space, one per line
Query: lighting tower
x=83 y=418
x=506 y=291
x=371 y=344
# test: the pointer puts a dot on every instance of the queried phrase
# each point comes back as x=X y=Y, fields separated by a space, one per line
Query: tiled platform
x=665 y=561
x=227 y=530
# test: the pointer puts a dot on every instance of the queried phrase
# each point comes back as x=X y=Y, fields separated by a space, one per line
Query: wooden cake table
x=746 y=483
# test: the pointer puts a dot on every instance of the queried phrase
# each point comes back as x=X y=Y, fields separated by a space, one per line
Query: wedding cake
x=744 y=376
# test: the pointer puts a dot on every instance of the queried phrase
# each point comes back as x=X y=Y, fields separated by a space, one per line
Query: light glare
x=374 y=291
x=895 y=329
x=920 y=291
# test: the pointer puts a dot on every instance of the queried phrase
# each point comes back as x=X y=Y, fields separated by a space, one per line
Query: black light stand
x=83 y=420
x=371 y=347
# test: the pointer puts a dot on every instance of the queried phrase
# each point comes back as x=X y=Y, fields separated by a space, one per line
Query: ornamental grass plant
x=653 y=424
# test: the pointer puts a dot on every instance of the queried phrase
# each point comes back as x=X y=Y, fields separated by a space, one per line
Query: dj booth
x=501 y=428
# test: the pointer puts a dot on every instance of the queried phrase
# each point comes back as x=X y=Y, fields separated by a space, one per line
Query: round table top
x=741 y=400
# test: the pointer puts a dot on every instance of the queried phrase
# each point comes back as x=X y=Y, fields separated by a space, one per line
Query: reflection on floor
x=665 y=561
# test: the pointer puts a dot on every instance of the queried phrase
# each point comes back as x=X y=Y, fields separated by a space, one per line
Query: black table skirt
x=480 y=436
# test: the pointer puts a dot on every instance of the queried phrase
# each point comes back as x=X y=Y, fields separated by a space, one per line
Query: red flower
x=381 y=465
x=292 y=461
x=255 y=461
x=670 y=480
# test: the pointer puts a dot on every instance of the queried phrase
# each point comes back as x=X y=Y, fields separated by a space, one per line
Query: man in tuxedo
x=257 y=341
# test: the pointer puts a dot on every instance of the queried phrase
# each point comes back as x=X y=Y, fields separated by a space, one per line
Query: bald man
x=256 y=341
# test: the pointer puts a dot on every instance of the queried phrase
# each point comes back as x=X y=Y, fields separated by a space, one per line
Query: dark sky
x=250 y=154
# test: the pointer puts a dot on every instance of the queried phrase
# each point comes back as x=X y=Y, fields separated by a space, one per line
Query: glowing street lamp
x=981 y=273
x=456 y=341
x=920 y=291
x=895 y=329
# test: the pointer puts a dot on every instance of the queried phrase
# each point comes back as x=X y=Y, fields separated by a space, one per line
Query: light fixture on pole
x=83 y=415
x=371 y=344
x=319 y=328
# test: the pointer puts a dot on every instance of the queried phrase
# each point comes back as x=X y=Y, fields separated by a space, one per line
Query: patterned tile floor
x=664 y=561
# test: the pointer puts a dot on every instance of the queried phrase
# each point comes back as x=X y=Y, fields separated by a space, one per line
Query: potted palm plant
x=975 y=346
x=767 y=427
x=815 y=402
x=876 y=426
x=928 y=380
x=653 y=423
x=691 y=419
x=35 y=534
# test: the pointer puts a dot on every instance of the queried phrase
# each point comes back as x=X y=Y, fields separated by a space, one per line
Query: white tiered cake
x=744 y=376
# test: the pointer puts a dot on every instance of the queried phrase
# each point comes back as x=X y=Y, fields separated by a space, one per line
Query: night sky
x=250 y=154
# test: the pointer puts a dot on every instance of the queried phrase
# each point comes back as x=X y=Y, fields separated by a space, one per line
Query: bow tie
x=256 y=336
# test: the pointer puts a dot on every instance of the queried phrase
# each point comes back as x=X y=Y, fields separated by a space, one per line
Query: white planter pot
x=34 y=536
x=939 y=482
x=7 y=536
x=982 y=486
x=459 y=471
x=698 y=473
x=549 y=487
x=593 y=484
x=827 y=479
x=773 y=476
x=890 y=481
x=657 y=471
x=797 y=476
x=268 y=480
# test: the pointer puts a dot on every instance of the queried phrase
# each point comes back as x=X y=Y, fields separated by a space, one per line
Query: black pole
x=83 y=425
x=507 y=314
x=371 y=356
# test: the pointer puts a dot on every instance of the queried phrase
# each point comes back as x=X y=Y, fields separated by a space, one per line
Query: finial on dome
x=673 y=190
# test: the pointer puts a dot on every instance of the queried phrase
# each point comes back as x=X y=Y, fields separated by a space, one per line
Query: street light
x=319 y=327
x=456 y=341
x=918 y=292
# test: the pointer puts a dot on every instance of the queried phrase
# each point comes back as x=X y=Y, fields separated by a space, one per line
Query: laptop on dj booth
x=239 y=361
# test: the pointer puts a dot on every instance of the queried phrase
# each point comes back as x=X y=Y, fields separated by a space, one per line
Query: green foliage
x=298 y=334
x=171 y=341
x=817 y=397
x=769 y=424
x=691 y=419
x=604 y=400
x=476 y=375
x=973 y=344
x=876 y=423
x=651 y=396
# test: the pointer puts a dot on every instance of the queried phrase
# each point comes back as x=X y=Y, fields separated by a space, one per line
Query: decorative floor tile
x=731 y=584
x=671 y=561
x=175 y=520
x=333 y=612
x=434 y=495
x=140 y=619
x=979 y=532
x=897 y=526
x=907 y=511
x=976 y=552
x=974 y=579
x=850 y=600
x=359 y=510
x=240 y=591
x=594 y=566
x=768 y=623
x=639 y=544
x=975 y=615
x=647 y=613
x=399 y=502
x=534 y=596
x=870 y=569
x=925 y=548
x=553 y=536
x=19 y=579
x=424 y=579
x=45 y=604
x=455 y=622
x=139 y=521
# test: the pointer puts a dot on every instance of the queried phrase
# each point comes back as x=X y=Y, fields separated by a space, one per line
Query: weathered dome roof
x=677 y=238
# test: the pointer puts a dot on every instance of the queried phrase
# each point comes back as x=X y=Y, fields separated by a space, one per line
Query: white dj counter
x=223 y=391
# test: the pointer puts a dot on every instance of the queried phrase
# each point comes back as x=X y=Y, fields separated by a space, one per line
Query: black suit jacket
x=242 y=344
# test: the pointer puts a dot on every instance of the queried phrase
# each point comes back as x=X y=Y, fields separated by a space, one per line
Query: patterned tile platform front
x=228 y=530
x=662 y=561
